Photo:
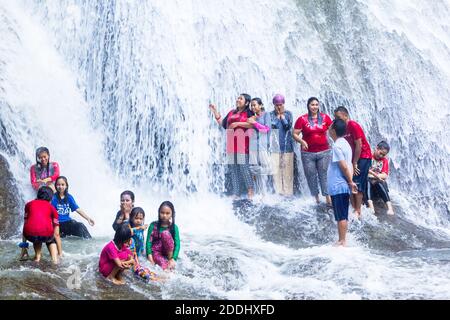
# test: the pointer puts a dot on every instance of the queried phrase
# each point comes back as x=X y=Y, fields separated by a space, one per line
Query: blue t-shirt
x=64 y=207
x=337 y=184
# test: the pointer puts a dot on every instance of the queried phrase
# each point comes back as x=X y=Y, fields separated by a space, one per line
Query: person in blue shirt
x=340 y=177
x=66 y=204
x=282 y=147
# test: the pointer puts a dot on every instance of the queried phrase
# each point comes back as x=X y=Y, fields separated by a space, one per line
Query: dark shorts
x=73 y=228
x=47 y=240
x=361 y=179
x=340 y=206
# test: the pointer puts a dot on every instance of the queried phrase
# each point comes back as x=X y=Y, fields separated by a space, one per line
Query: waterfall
x=148 y=70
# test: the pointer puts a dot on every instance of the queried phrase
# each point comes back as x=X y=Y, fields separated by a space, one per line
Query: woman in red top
x=238 y=142
x=315 y=149
x=40 y=220
x=44 y=172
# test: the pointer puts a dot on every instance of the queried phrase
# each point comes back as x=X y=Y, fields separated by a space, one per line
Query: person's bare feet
x=340 y=243
x=117 y=281
x=390 y=212
x=24 y=255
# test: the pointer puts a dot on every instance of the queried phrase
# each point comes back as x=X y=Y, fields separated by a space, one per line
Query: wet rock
x=305 y=228
x=10 y=205
x=311 y=226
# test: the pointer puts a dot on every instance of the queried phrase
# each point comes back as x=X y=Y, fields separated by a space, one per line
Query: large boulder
x=10 y=205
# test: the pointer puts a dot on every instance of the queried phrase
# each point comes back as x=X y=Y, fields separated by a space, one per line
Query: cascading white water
x=150 y=68
x=143 y=73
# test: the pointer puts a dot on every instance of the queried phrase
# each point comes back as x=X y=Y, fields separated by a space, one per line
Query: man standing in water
x=339 y=177
x=362 y=156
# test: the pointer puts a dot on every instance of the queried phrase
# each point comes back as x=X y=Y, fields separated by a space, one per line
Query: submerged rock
x=10 y=207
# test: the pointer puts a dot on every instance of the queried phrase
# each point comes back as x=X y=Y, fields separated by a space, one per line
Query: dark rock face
x=10 y=205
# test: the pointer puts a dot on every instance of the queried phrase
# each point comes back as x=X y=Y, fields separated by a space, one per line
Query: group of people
x=260 y=154
x=161 y=247
x=47 y=220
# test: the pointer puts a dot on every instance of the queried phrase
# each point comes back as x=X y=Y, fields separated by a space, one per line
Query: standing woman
x=44 y=172
x=315 y=150
x=238 y=142
x=282 y=147
x=260 y=166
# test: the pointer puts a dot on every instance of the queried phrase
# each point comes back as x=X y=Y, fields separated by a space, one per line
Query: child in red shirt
x=40 y=220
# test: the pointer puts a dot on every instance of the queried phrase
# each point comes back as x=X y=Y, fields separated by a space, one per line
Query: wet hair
x=384 y=145
x=259 y=102
x=127 y=192
x=122 y=235
x=66 y=192
x=45 y=193
x=134 y=212
x=341 y=109
x=38 y=163
x=172 y=225
x=339 y=126
x=247 y=98
x=319 y=116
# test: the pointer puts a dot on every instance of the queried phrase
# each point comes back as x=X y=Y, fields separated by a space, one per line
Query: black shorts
x=340 y=204
x=73 y=228
x=361 y=179
x=47 y=240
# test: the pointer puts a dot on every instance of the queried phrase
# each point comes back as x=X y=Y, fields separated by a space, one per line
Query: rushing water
x=118 y=90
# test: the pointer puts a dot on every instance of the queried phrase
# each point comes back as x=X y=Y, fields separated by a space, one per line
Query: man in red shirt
x=362 y=156
x=378 y=174
x=40 y=220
